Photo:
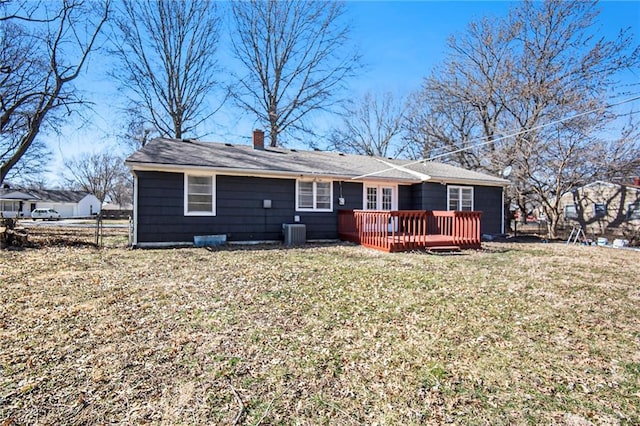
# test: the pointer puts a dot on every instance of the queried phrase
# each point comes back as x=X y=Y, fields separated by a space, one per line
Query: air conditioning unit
x=294 y=234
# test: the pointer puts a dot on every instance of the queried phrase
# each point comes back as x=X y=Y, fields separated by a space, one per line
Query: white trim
x=186 y=194
x=575 y=209
x=135 y=209
x=502 y=214
x=172 y=168
x=379 y=186
x=466 y=182
x=150 y=167
x=629 y=210
x=605 y=184
x=315 y=195
x=450 y=187
x=595 y=209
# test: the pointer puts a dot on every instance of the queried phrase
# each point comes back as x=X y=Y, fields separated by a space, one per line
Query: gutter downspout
x=502 y=208
x=134 y=243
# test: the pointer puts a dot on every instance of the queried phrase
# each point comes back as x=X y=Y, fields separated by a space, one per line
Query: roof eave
x=481 y=182
x=176 y=168
x=21 y=196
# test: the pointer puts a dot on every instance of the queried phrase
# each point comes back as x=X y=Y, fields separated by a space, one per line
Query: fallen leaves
x=326 y=334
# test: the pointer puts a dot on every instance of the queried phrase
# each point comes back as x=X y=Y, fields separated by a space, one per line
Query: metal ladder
x=576 y=232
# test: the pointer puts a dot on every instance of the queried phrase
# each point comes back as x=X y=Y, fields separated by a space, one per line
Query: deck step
x=443 y=249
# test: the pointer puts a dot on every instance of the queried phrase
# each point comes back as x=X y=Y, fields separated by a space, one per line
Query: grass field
x=339 y=334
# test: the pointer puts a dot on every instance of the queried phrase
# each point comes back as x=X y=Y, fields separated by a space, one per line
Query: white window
x=600 y=209
x=460 y=198
x=199 y=195
x=9 y=206
x=380 y=197
x=633 y=211
x=571 y=212
x=314 y=196
x=372 y=198
x=387 y=198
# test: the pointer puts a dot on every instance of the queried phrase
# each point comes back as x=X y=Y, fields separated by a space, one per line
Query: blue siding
x=352 y=194
x=239 y=209
x=240 y=214
x=487 y=199
x=405 y=194
x=416 y=197
x=433 y=196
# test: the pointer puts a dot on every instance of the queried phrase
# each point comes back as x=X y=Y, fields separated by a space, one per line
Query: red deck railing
x=410 y=229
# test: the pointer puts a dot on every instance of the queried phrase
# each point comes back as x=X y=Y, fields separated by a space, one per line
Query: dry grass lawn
x=513 y=334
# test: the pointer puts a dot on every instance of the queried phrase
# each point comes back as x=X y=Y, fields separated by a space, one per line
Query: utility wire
x=473 y=143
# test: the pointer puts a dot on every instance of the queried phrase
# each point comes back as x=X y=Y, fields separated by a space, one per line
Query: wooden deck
x=395 y=231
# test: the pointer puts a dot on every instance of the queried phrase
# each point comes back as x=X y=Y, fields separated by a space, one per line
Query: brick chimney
x=636 y=181
x=258 y=139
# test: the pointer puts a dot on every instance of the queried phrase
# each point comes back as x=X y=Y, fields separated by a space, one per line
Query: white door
x=381 y=197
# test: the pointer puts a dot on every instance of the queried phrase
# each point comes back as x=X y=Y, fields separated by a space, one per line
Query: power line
x=473 y=143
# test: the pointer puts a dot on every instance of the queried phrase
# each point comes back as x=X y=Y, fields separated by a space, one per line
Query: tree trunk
x=273 y=136
x=552 y=224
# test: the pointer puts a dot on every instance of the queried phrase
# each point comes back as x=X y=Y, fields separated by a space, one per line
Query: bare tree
x=102 y=175
x=44 y=48
x=529 y=91
x=372 y=125
x=138 y=131
x=167 y=55
x=122 y=192
x=296 y=57
x=460 y=102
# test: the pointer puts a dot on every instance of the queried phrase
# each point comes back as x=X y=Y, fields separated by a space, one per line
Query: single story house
x=602 y=207
x=21 y=202
x=187 y=188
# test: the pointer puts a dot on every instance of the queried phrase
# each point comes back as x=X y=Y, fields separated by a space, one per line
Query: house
x=602 y=208
x=187 y=188
x=21 y=202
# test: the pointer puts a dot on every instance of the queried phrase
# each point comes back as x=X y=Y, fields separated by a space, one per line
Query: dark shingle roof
x=12 y=194
x=58 y=195
x=164 y=153
x=51 y=195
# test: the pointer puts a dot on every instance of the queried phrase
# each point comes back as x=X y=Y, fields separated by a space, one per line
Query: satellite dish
x=507 y=171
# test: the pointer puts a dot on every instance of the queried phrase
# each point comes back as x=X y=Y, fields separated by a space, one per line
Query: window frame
x=212 y=212
x=602 y=213
x=15 y=206
x=575 y=208
x=379 y=187
x=314 y=194
x=633 y=211
x=459 y=189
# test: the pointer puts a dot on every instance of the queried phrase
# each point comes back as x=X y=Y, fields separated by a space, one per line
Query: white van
x=45 y=214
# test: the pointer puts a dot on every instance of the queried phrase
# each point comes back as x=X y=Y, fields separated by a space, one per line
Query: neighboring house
x=602 y=207
x=185 y=188
x=21 y=202
x=117 y=211
x=114 y=206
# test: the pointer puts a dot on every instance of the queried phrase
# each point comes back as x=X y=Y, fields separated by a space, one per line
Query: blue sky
x=400 y=43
